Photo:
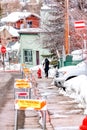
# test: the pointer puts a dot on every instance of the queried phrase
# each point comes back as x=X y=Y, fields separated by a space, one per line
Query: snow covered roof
x=15 y=16
x=32 y=30
x=12 y=31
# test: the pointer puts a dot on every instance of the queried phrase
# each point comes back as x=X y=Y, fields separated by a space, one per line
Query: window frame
x=28 y=56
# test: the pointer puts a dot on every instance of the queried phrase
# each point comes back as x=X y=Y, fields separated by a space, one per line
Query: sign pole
x=16 y=120
x=3 y=51
x=84 y=39
x=44 y=120
x=3 y=62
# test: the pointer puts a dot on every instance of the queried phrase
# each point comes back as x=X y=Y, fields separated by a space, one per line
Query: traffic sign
x=79 y=24
x=3 y=49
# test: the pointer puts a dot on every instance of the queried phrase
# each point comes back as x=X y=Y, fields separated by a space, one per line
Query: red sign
x=3 y=50
x=79 y=24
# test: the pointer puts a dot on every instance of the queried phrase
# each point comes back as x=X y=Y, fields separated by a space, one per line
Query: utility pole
x=66 y=27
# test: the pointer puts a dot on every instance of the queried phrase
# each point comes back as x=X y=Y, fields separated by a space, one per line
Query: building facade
x=31 y=47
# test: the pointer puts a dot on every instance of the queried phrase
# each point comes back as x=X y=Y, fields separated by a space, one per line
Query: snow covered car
x=68 y=72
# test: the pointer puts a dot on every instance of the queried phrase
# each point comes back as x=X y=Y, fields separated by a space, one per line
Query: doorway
x=37 y=57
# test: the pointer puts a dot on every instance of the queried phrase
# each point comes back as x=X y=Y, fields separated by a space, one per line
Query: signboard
x=3 y=49
x=21 y=80
x=79 y=24
x=30 y=103
x=26 y=70
x=22 y=85
x=22 y=94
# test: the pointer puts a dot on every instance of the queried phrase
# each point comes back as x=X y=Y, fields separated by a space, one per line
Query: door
x=37 y=57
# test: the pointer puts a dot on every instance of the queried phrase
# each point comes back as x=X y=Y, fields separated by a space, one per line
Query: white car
x=68 y=72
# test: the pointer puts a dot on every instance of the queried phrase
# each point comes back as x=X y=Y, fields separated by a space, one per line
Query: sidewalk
x=63 y=111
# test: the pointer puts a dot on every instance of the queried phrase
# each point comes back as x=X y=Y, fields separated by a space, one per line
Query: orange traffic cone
x=84 y=124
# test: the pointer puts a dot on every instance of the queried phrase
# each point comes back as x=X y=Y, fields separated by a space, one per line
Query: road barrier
x=22 y=94
x=22 y=86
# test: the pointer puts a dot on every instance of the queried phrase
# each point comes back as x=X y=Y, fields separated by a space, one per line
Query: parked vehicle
x=68 y=72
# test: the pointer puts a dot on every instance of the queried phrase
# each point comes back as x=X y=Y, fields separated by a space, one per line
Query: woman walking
x=46 y=67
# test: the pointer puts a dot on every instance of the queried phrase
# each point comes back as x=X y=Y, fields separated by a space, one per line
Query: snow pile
x=77 y=88
x=51 y=70
x=17 y=67
x=37 y=67
x=10 y=67
x=79 y=54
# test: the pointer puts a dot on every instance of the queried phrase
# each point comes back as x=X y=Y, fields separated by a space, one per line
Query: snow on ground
x=10 y=67
x=77 y=88
x=79 y=54
x=51 y=70
x=17 y=67
x=37 y=67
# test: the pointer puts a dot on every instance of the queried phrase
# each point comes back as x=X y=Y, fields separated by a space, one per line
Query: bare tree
x=55 y=38
x=54 y=24
x=0 y=10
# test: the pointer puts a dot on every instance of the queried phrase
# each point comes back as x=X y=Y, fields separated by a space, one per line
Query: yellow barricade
x=23 y=104
x=23 y=65
x=21 y=80
x=22 y=83
x=26 y=70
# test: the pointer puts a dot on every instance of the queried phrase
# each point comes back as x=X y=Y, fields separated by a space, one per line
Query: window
x=29 y=24
x=27 y=56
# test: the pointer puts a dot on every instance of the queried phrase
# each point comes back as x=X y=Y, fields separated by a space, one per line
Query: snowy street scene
x=43 y=65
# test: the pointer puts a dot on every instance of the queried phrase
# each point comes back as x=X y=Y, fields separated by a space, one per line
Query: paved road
x=6 y=102
x=64 y=112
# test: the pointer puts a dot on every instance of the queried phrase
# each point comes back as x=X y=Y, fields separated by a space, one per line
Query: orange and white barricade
x=22 y=88
x=23 y=99
x=26 y=104
x=22 y=66
x=26 y=72
x=31 y=104
x=30 y=77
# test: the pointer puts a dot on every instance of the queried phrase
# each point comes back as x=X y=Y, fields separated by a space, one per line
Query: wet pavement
x=64 y=113
x=6 y=102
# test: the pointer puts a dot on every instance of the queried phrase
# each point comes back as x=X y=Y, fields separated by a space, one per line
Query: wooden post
x=66 y=27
